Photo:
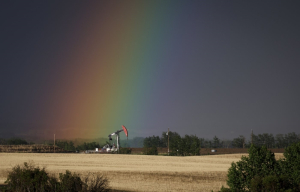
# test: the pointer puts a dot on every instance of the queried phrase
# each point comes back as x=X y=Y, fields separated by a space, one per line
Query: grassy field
x=135 y=172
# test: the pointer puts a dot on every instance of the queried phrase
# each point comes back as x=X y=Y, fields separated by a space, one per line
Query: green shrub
x=275 y=183
x=28 y=178
x=224 y=189
x=261 y=172
x=270 y=183
x=70 y=182
x=291 y=165
x=150 y=151
x=31 y=178
x=95 y=183
x=261 y=162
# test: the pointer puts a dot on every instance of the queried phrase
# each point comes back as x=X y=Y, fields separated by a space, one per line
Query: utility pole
x=168 y=142
x=54 y=143
x=252 y=136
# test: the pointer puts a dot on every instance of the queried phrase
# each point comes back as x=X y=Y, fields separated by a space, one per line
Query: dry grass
x=135 y=172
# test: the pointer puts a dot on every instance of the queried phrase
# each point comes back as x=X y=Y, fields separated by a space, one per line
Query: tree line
x=14 y=141
x=265 y=139
x=69 y=146
x=66 y=145
x=182 y=146
x=189 y=143
x=268 y=140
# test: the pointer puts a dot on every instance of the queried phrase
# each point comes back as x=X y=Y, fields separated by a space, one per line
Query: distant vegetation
x=279 y=141
x=182 y=146
x=179 y=145
x=265 y=139
x=66 y=145
x=136 y=142
x=31 y=178
x=262 y=172
x=69 y=146
x=125 y=150
x=150 y=150
x=14 y=141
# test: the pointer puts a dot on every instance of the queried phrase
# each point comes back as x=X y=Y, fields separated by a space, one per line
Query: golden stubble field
x=135 y=172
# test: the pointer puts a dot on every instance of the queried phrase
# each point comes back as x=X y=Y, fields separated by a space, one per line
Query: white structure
x=118 y=138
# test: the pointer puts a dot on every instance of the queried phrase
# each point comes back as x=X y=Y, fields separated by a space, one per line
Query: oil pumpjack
x=118 y=136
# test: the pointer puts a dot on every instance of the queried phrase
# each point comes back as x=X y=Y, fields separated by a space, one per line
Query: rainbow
x=108 y=68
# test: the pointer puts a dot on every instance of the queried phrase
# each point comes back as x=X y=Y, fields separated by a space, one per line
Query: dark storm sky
x=226 y=66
